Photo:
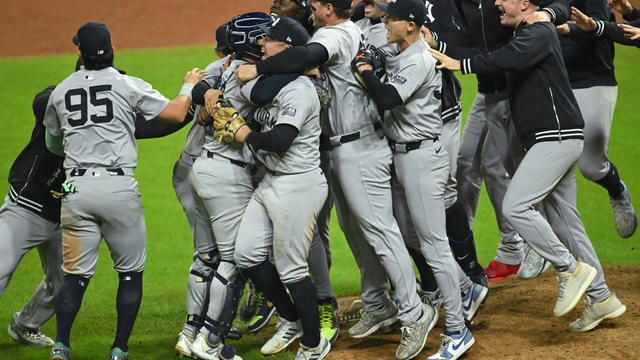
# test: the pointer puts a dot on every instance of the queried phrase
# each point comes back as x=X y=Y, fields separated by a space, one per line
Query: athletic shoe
x=328 y=321
x=372 y=321
x=248 y=307
x=264 y=312
x=572 y=287
x=234 y=334
x=433 y=298
x=594 y=313
x=316 y=353
x=60 y=352
x=118 y=354
x=532 y=265
x=31 y=337
x=201 y=348
x=183 y=347
x=497 y=271
x=287 y=333
x=626 y=217
x=414 y=336
x=472 y=299
x=479 y=276
x=453 y=345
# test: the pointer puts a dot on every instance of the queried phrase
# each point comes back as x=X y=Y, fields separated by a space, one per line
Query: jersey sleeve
x=411 y=76
x=293 y=108
x=50 y=120
x=147 y=101
x=330 y=40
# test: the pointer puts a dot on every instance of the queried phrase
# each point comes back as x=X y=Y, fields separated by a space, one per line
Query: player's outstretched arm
x=177 y=108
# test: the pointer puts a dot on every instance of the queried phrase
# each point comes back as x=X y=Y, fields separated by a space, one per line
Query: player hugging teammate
x=308 y=107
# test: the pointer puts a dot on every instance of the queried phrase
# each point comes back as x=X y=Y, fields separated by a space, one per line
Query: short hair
x=98 y=62
x=341 y=13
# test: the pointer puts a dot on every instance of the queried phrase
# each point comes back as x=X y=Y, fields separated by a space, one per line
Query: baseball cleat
x=201 y=349
x=60 y=352
x=329 y=327
x=316 y=353
x=433 y=298
x=572 y=287
x=414 y=336
x=626 y=217
x=31 y=337
x=453 y=345
x=183 y=347
x=472 y=299
x=497 y=271
x=249 y=303
x=287 y=333
x=118 y=354
x=532 y=265
x=594 y=313
x=264 y=311
x=372 y=321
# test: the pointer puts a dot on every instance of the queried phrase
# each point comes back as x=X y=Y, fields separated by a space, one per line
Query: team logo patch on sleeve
x=399 y=79
x=288 y=111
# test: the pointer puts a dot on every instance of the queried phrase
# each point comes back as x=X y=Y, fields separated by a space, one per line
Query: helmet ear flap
x=244 y=31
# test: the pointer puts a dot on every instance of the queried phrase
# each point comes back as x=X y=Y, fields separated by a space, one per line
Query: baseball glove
x=226 y=122
x=372 y=56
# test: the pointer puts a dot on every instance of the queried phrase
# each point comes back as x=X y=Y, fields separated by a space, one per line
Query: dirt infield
x=515 y=323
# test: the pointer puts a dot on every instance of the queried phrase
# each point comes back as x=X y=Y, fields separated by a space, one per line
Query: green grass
x=169 y=243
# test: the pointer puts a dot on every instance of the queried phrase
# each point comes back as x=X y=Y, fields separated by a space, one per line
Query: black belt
x=242 y=164
x=356 y=135
x=408 y=146
x=110 y=171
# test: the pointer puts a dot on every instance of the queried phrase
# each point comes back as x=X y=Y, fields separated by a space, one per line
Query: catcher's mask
x=244 y=33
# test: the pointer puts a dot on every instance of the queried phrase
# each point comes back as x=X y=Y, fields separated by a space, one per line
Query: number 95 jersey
x=95 y=110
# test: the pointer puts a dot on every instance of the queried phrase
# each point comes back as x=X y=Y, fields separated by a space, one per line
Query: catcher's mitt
x=372 y=56
x=226 y=122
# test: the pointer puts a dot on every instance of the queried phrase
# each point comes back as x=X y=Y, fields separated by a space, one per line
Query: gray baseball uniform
x=361 y=173
x=276 y=220
x=421 y=173
x=222 y=182
x=374 y=33
x=100 y=158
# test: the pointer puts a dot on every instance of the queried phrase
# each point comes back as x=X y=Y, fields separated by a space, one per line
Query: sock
x=427 y=280
x=461 y=238
x=127 y=303
x=266 y=279
x=304 y=298
x=68 y=304
x=612 y=182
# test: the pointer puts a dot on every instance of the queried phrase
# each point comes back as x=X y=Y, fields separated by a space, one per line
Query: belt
x=96 y=171
x=343 y=139
x=408 y=146
x=242 y=164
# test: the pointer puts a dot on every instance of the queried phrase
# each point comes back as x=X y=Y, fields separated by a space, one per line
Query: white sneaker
x=31 y=337
x=414 y=336
x=472 y=299
x=201 y=349
x=183 y=347
x=316 y=353
x=372 y=321
x=626 y=217
x=453 y=345
x=287 y=333
x=532 y=265
x=572 y=287
x=594 y=313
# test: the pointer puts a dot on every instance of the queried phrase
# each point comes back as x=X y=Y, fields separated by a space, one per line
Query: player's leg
x=530 y=186
x=182 y=188
x=124 y=231
x=597 y=105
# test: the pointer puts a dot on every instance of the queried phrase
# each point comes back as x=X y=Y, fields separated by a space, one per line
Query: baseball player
x=360 y=175
x=102 y=198
x=489 y=119
x=222 y=181
x=320 y=252
x=619 y=32
x=411 y=99
x=589 y=61
x=371 y=25
x=276 y=220
x=550 y=128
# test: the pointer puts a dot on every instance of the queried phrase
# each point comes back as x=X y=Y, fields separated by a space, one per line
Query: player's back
x=95 y=111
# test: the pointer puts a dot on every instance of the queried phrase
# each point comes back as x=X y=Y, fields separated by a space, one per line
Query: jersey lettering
x=83 y=108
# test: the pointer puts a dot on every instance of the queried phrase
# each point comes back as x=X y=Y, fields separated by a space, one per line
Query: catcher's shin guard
x=198 y=284
x=226 y=292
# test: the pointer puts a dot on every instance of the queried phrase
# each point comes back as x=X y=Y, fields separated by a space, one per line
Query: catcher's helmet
x=244 y=33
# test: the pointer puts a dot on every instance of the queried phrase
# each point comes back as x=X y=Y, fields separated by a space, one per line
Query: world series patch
x=288 y=111
x=398 y=79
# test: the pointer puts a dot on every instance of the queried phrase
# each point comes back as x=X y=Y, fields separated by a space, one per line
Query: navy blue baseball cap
x=93 y=39
x=287 y=30
x=408 y=10
x=340 y=4
x=222 y=41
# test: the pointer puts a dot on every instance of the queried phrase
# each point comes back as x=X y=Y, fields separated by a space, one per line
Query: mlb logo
x=127 y=278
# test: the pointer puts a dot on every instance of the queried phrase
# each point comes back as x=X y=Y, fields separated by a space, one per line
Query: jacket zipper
x=553 y=104
x=33 y=165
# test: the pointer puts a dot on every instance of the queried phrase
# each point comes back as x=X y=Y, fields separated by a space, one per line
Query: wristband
x=186 y=90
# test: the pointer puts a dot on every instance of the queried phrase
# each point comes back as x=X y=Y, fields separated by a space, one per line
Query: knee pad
x=227 y=288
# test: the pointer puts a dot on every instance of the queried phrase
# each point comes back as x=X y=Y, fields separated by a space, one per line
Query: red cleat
x=497 y=271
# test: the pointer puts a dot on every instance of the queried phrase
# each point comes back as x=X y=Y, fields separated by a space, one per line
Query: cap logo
x=289 y=39
x=276 y=22
x=411 y=16
x=100 y=52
